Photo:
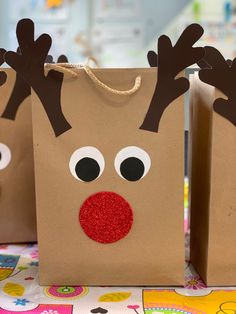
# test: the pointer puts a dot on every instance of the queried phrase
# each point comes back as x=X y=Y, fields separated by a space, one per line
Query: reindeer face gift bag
x=17 y=193
x=213 y=191
x=108 y=165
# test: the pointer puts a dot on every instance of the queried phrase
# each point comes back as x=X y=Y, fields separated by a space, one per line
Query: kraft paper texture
x=213 y=186
x=17 y=192
x=153 y=251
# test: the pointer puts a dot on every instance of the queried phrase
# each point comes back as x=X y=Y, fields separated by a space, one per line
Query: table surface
x=20 y=292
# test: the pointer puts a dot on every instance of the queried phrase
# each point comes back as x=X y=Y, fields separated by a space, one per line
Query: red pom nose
x=106 y=217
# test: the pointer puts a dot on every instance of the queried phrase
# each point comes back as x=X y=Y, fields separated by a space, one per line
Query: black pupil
x=132 y=169
x=0 y=156
x=87 y=169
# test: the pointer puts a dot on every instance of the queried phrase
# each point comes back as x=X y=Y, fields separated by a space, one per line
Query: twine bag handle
x=66 y=68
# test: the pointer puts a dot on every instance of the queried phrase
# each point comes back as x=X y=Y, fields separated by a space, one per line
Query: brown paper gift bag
x=109 y=169
x=106 y=128
x=17 y=187
x=17 y=191
x=213 y=185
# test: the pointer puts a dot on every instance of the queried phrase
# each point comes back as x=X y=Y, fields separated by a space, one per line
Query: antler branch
x=20 y=91
x=171 y=61
x=152 y=58
x=3 y=75
x=30 y=65
x=222 y=75
x=61 y=59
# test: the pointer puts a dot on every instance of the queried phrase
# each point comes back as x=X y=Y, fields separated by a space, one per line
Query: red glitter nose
x=106 y=217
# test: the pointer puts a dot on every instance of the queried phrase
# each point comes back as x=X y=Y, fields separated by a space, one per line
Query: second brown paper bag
x=17 y=186
x=17 y=191
x=213 y=186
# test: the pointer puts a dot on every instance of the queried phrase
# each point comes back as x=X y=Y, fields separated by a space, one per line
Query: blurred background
x=118 y=33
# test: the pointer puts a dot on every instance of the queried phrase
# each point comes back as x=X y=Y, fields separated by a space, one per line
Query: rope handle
x=65 y=68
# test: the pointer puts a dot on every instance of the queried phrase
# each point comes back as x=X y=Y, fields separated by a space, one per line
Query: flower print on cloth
x=169 y=301
x=7 y=265
x=115 y=297
x=195 y=283
x=34 y=254
x=44 y=309
x=21 y=302
x=22 y=286
x=13 y=289
x=65 y=292
x=227 y=307
x=134 y=307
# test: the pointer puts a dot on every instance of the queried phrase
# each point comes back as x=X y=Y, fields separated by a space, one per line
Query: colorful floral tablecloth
x=20 y=292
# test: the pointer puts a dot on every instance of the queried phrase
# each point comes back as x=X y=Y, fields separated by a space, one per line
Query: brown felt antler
x=203 y=63
x=171 y=61
x=3 y=75
x=221 y=75
x=21 y=91
x=152 y=58
x=30 y=65
x=61 y=59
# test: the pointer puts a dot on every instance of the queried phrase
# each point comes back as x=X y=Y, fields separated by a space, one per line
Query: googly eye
x=5 y=156
x=132 y=163
x=86 y=164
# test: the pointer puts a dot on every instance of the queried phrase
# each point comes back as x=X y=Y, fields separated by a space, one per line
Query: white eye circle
x=86 y=164
x=5 y=156
x=132 y=163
